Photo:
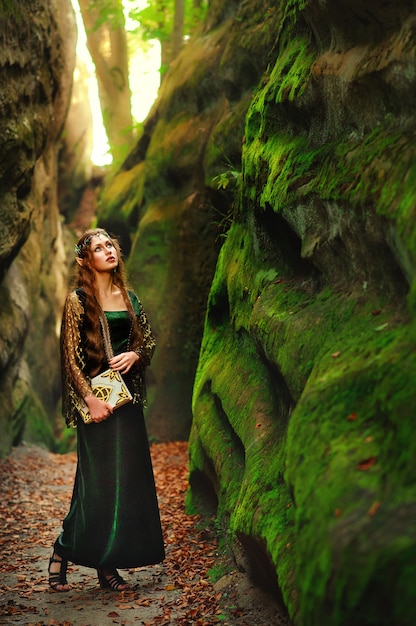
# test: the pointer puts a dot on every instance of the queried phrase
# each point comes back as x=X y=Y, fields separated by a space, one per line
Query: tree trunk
x=178 y=23
x=106 y=41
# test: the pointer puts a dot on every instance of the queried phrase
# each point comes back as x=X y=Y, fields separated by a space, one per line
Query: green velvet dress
x=113 y=521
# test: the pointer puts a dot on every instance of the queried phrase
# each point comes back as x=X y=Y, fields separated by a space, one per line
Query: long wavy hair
x=85 y=279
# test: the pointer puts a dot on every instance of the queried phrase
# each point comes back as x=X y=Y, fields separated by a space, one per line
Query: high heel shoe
x=112 y=580
x=58 y=579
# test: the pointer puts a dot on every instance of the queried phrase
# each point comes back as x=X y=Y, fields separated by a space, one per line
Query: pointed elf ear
x=79 y=261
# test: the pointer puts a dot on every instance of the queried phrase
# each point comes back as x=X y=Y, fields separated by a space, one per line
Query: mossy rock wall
x=37 y=56
x=303 y=404
x=165 y=193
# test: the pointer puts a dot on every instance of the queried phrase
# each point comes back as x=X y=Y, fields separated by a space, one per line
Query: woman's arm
x=75 y=381
x=145 y=352
x=72 y=354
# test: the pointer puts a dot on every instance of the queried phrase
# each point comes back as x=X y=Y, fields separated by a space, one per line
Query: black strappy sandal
x=58 y=579
x=113 y=581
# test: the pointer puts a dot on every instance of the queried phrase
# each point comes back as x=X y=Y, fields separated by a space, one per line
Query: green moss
x=355 y=420
x=346 y=367
x=11 y=9
x=294 y=7
x=124 y=193
x=235 y=408
x=353 y=171
x=304 y=392
x=148 y=262
x=374 y=172
x=218 y=571
x=223 y=150
x=67 y=441
x=227 y=456
x=177 y=141
x=38 y=428
x=354 y=168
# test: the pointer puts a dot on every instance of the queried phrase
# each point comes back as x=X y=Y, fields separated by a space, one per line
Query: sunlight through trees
x=127 y=46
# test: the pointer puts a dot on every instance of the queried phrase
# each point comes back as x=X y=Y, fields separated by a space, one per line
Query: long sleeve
x=147 y=348
x=149 y=344
x=75 y=383
x=144 y=350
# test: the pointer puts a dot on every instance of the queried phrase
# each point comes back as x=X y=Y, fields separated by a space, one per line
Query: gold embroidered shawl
x=75 y=379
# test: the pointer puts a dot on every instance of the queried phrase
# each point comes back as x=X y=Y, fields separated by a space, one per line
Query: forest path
x=35 y=492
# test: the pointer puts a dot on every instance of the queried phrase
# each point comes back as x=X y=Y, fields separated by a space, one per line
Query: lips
x=110 y=259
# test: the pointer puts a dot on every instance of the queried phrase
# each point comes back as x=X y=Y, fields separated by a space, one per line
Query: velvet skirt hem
x=113 y=520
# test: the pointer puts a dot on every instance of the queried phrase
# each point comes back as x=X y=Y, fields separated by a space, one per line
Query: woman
x=113 y=519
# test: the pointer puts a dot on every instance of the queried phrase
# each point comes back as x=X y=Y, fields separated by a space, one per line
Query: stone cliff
x=302 y=431
x=193 y=134
x=37 y=55
x=304 y=395
x=270 y=200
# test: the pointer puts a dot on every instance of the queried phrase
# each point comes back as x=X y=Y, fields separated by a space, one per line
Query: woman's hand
x=123 y=362
x=98 y=409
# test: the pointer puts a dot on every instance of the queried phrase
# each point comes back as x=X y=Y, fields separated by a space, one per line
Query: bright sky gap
x=144 y=66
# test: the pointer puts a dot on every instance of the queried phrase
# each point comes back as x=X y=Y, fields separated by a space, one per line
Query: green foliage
x=227 y=179
x=155 y=21
x=109 y=12
x=217 y=571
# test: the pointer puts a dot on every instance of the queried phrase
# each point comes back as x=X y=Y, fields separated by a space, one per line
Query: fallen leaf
x=367 y=463
x=32 y=481
x=374 y=508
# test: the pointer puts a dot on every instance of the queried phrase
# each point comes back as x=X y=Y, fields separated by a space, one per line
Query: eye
x=109 y=245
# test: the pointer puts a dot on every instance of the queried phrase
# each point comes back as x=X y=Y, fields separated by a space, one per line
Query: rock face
x=303 y=432
x=193 y=133
x=37 y=56
x=304 y=398
x=75 y=166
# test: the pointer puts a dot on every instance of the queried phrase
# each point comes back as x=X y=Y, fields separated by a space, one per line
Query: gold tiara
x=80 y=247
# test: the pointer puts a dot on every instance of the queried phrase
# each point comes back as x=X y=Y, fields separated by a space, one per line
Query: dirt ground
x=35 y=491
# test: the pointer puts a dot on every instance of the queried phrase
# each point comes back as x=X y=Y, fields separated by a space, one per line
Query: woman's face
x=103 y=254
